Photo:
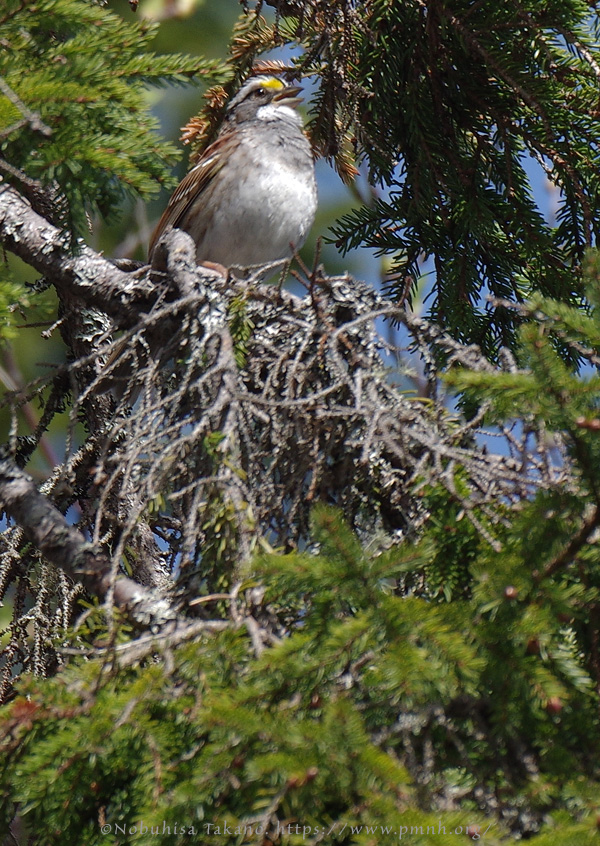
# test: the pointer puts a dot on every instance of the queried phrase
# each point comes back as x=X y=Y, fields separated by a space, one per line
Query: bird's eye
x=259 y=92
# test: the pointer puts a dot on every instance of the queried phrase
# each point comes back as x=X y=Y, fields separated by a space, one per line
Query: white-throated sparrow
x=251 y=198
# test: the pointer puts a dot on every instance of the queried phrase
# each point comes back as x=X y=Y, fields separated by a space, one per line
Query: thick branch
x=65 y=546
x=87 y=275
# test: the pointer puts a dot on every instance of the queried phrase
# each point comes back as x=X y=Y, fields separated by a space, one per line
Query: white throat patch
x=271 y=112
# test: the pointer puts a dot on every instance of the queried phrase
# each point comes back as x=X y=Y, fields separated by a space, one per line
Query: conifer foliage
x=447 y=102
x=72 y=112
x=302 y=603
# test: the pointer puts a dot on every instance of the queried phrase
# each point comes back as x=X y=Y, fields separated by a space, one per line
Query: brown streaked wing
x=194 y=182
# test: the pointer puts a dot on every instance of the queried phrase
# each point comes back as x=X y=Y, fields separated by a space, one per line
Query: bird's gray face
x=261 y=91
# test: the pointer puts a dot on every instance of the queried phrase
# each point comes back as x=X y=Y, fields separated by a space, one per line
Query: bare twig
x=68 y=549
x=227 y=408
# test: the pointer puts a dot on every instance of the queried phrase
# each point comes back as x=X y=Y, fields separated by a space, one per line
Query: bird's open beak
x=288 y=96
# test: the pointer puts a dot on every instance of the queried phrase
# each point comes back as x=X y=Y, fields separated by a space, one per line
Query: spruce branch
x=29 y=117
x=86 y=275
x=569 y=552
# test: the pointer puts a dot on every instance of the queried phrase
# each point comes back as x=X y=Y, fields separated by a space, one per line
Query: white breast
x=268 y=213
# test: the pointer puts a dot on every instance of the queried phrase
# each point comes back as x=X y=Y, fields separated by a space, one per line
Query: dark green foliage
x=459 y=112
x=443 y=681
x=458 y=97
x=83 y=70
x=371 y=710
x=379 y=705
x=568 y=402
x=455 y=544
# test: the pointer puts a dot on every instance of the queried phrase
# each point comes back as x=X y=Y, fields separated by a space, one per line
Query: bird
x=251 y=198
